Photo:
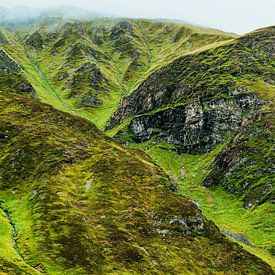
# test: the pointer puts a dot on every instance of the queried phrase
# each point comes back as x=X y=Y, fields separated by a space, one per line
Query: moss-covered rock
x=35 y=40
x=12 y=78
x=246 y=165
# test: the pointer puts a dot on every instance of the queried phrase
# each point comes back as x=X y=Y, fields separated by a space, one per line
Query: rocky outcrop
x=246 y=166
x=199 y=100
x=121 y=29
x=262 y=41
x=11 y=76
x=89 y=100
x=3 y=39
x=87 y=80
x=7 y=63
x=87 y=74
x=24 y=87
x=197 y=127
x=98 y=35
x=35 y=40
x=205 y=75
x=188 y=226
x=81 y=50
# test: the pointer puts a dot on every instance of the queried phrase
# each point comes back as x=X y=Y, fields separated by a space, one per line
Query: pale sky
x=239 y=16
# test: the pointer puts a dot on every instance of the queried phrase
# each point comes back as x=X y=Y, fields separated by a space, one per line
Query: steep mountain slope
x=77 y=202
x=246 y=165
x=11 y=75
x=200 y=100
x=91 y=65
x=186 y=113
x=212 y=77
x=199 y=104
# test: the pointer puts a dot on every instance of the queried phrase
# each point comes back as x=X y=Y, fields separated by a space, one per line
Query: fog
x=239 y=16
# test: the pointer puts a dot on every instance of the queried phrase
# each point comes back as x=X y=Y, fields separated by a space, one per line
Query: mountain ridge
x=195 y=100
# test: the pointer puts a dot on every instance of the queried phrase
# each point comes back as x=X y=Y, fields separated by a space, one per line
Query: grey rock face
x=188 y=226
x=245 y=166
x=197 y=127
x=262 y=41
x=90 y=101
x=121 y=29
x=238 y=237
x=223 y=71
x=7 y=63
x=25 y=88
x=3 y=39
x=81 y=49
x=35 y=40
x=98 y=35
x=88 y=73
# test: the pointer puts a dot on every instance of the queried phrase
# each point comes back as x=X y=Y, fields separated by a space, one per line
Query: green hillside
x=86 y=68
x=77 y=201
x=214 y=102
x=132 y=146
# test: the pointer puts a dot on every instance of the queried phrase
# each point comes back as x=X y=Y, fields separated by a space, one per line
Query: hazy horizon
x=230 y=16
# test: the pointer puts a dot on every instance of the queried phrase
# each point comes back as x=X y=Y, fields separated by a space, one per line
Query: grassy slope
x=226 y=210
x=125 y=59
x=217 y=205
x=80 y=203
x=50 y=93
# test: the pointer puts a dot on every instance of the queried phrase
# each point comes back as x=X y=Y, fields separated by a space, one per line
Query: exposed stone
x=98 y=35
x=246 y=165
x=35 y=40
x=238 y=237
x=25 y=88
x=7 y=63
x=189 y=226
x=262 y=40
x=81 y=49
x=121 y=29
x=214 y=73
x=3 y=39
x=182 y=173
x=197 y=127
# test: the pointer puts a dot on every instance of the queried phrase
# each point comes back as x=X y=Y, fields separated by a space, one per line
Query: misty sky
x=239 y=16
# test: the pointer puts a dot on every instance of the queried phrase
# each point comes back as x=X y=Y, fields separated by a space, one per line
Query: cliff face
x=11 y=76
x=223 y=71
x=197 y=127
